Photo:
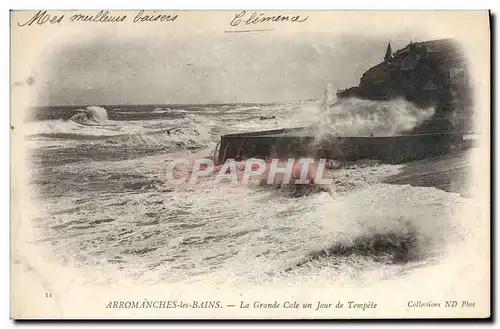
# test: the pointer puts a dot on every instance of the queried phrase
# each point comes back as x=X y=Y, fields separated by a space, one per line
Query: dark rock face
x=429 y=74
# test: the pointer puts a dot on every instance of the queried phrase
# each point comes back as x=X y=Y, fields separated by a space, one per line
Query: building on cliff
x=428 y=74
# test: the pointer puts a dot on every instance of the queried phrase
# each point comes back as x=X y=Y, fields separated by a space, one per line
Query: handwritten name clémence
x=244 y=18
x=103 y=16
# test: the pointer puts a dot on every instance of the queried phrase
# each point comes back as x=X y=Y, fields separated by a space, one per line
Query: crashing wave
x=92 y=115
x=360 y=117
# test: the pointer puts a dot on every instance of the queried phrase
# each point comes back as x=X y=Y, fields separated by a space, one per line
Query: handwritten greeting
x=103 y=16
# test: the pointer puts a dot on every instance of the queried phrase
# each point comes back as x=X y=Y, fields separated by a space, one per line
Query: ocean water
x=98 y=174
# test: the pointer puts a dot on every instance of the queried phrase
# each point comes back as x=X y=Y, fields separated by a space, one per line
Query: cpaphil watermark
x=305 y=171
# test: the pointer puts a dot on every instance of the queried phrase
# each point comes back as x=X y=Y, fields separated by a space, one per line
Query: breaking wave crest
x=92 y=115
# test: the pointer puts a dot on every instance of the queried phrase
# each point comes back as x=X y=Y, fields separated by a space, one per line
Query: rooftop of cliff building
x=443 y=51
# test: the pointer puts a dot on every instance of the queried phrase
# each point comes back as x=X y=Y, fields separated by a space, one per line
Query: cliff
x=431 y=73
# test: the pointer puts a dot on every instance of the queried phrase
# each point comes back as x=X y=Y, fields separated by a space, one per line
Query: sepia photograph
x=250 y=164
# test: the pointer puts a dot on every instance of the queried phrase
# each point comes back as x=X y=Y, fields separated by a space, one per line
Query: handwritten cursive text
x=140 y=17
x=256 y=18
x=41 y=17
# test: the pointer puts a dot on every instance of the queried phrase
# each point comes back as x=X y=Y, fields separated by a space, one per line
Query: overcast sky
x=216 y=68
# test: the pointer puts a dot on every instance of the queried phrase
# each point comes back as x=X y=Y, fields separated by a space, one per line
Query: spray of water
x=330 y=97
x=359 y=117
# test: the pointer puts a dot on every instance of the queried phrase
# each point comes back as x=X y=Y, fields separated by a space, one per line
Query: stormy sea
x=98 y=175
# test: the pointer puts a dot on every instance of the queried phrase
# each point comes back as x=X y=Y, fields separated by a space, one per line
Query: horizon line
x=172 y=104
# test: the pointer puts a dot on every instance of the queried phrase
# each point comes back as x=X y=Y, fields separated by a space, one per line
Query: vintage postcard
x=247 y=164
